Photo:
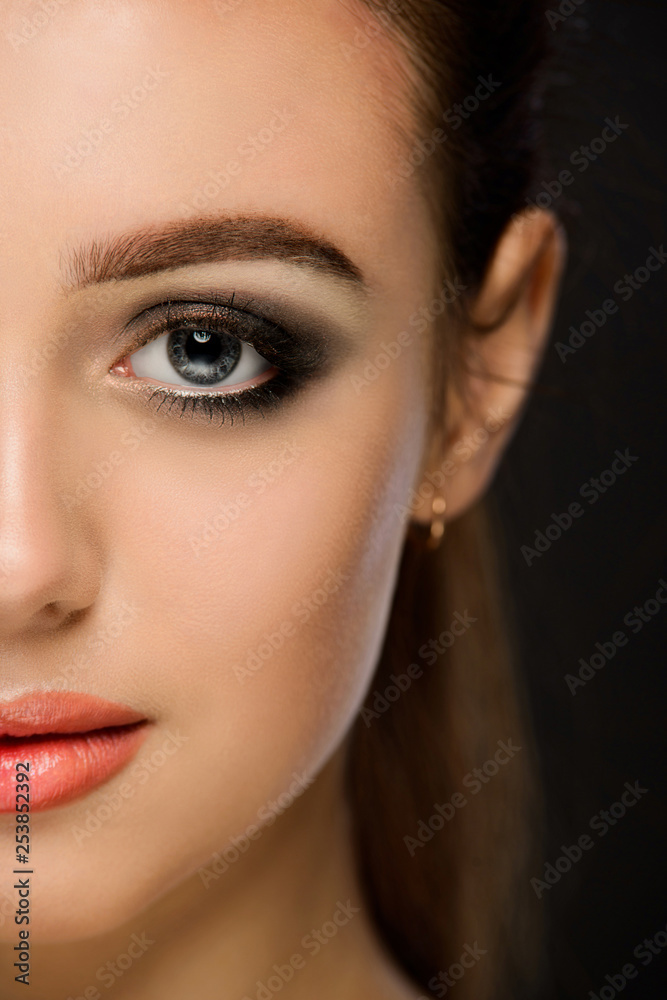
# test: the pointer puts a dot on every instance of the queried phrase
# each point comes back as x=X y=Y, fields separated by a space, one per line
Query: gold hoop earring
x=437 y=523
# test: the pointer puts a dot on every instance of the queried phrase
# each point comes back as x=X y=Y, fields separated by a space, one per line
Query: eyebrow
x=189 y=242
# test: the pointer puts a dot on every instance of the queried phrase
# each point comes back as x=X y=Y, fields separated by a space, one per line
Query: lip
x=73 y=742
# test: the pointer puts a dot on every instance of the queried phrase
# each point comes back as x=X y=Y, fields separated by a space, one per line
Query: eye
x=201 y=358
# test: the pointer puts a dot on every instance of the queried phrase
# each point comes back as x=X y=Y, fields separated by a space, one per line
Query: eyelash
x=297 y=357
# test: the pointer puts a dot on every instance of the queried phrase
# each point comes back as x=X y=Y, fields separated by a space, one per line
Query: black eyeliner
x=299 y=356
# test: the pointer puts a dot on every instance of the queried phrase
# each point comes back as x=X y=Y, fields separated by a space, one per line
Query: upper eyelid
x=163 y=310
x=194 y=304
x=211 y=301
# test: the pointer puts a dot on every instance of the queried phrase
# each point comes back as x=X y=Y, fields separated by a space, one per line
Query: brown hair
x=466 y=882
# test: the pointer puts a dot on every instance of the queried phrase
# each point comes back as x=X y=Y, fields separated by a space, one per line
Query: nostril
x=53 y=613
x=54 y=616
x=74 y=616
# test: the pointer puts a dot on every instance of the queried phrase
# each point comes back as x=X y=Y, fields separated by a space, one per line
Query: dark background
x=608 y=395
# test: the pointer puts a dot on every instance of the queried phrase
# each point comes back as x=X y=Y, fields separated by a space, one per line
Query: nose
x=49 y=564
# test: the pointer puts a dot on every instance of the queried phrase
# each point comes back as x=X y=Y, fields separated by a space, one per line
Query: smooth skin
x=202 y=84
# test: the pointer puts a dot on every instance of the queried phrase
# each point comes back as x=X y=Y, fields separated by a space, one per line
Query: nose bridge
x=50 y=562
x=47 y=569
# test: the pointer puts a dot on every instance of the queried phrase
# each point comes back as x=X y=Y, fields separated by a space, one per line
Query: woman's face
x=228 y=580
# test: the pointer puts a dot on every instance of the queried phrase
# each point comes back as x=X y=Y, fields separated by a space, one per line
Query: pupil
x=203 y=357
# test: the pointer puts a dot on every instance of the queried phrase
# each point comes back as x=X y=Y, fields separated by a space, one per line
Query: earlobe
x=505 y=342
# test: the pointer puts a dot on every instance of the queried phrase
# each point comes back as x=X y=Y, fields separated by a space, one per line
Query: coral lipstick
x=73 y=743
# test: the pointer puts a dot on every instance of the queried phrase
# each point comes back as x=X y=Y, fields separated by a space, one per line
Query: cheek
x=265 y=571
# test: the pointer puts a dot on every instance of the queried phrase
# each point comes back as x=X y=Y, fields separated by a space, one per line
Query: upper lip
x=62 y=712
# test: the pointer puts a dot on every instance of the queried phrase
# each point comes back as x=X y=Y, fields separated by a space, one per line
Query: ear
x=485 y=404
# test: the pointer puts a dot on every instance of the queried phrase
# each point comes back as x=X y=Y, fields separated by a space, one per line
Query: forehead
x=121 y=114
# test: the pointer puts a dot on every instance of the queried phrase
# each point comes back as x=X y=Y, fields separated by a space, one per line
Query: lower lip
x=65 y=766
